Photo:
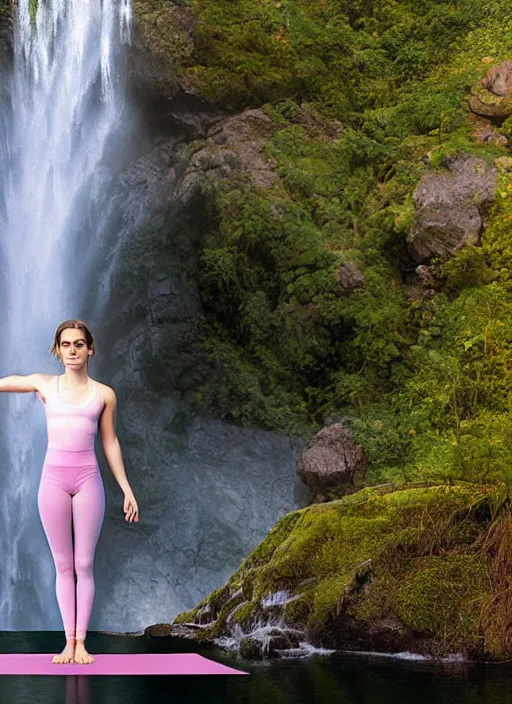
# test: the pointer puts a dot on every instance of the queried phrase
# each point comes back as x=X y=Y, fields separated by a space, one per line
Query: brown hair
x=79 y=325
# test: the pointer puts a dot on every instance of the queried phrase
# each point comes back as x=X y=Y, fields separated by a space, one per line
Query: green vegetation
x=365 y=98
x=436 y=556
x=163 y=23
x=5 y=9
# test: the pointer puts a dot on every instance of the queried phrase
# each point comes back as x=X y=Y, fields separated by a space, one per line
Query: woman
x=71 y=486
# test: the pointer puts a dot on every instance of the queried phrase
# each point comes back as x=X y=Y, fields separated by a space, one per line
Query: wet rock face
x=6 y=43
x=330 y=460
x=263 y=632
x=246 y=135
x=153 y=321
x=234 y=144
x=492 y=97
x=271 y=646
x=148 y=75
x=157 y=205
x=187 y=631
x=161 y=38
x=343 y=632
x=451 y=206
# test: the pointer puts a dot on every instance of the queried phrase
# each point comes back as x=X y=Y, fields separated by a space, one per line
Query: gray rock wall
x=208 y=492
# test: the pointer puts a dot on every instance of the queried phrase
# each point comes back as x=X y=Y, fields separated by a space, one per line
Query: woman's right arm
x=16 y=382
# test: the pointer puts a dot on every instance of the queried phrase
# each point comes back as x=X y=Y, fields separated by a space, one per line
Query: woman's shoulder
x=107 y=391
x=43 y=384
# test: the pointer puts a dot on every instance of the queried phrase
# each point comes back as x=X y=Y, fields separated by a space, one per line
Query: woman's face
x=73 y=348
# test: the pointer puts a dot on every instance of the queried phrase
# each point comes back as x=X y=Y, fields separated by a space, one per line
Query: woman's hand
x=130 y=507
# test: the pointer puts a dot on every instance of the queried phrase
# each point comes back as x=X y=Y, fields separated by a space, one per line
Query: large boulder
x=492 y=96
x=330 y=461
x=233 y=145
x=486 y=132
x=451 y=205
x=350 y=277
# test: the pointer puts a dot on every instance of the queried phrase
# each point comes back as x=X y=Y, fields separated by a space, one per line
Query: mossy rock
x=415 y=563
x=443 y=592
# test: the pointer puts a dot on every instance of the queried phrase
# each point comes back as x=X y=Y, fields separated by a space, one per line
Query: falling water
x=60 y=140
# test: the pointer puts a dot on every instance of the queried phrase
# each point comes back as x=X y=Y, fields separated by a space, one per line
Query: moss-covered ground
x=435 y=556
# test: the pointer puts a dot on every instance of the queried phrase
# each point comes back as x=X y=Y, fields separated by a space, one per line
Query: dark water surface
x=319 y=679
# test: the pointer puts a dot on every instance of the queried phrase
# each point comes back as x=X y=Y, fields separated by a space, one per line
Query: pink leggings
x=70 y=489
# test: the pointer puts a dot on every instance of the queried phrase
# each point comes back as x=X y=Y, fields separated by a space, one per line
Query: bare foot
x=81 y=656
x=66 y=655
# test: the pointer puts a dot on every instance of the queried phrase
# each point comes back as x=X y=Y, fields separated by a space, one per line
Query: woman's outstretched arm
x=17 y=382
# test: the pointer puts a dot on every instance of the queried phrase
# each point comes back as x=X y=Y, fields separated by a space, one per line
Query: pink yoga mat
x=115 y=664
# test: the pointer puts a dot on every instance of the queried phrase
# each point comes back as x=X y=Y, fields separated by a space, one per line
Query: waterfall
x=61 y=130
